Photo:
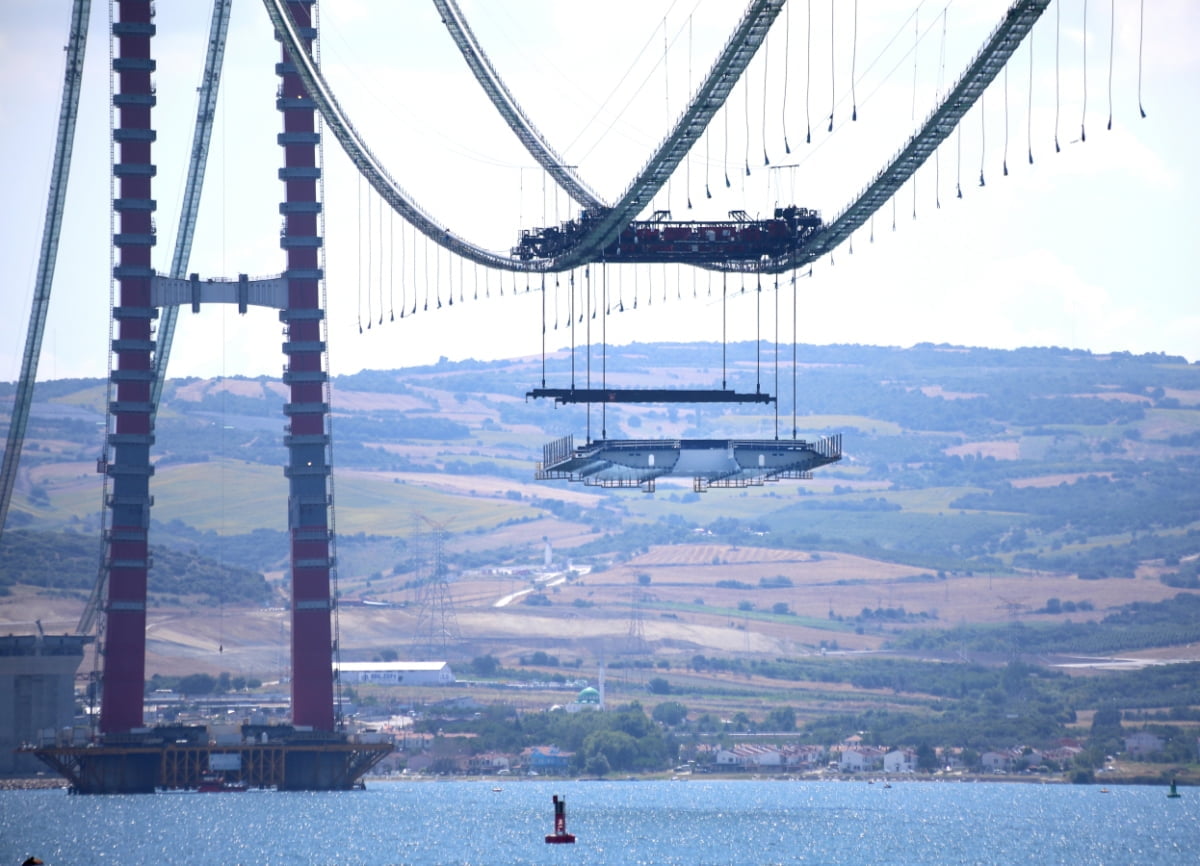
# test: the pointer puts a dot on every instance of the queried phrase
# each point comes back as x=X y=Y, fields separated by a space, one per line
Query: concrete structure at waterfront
x=37 y=694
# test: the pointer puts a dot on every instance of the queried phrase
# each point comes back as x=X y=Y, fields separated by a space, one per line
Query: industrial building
x=398 y=673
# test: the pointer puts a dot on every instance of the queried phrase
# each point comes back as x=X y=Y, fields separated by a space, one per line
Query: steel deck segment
x=709 y=462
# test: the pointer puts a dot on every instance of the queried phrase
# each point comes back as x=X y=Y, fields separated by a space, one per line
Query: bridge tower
x=307 y=438
x=127 y=461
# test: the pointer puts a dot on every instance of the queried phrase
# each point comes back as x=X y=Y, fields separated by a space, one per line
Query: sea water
x=627 y=822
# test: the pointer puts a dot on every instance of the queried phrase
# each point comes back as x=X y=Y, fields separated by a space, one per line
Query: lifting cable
x=958 y=161
x=853 y=72
x=543 y=330
x=381 y=249
x=982 y=134
x=413 y=251
x=666 y=100
x=808 y=80
x=832 y=67
x=370 y=281
x=776 y=391
x=1029 y=115
x=1112 y=35
x=1057 y=44
x=358 y=244
x=787 y=41
x=1004 y=160
x=403 y=284
x=724 y=327
x=766 y=69
x=707 y=191
x=221 y=484
x=571 y=309
x=746 y=114
x=913 y=113
x=1141 y=34
x=391 y=265
x=604 y=348
x=1083 y=113
x=795 y=331
x=937 y=154
x=758 y=333
x=725 y=114
x=689 y=153
x=587 y=281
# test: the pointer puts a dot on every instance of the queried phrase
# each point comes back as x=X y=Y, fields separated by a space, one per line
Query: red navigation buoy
x=560 y=834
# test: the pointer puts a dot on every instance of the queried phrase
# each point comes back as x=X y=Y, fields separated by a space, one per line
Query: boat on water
x=215 y=783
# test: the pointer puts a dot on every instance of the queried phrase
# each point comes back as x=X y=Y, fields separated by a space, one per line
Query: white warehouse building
x=396 y=673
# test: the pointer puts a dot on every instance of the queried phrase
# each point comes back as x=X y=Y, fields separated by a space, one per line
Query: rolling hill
x=979 y=489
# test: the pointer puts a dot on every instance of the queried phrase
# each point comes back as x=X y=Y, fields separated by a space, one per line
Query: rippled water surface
x=693 y=822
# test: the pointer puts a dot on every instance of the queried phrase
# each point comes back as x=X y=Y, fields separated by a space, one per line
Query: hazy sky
x=1085 y=248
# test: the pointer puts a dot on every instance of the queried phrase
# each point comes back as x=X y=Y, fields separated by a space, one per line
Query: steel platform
x=285 y=760
x=708 y=462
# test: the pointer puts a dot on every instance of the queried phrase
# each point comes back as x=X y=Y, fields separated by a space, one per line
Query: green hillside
x=957 y=461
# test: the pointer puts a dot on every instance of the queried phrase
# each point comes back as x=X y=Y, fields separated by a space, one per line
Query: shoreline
x=1183 y=780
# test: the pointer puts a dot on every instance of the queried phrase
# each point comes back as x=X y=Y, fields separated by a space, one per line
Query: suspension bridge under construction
x=315 y=751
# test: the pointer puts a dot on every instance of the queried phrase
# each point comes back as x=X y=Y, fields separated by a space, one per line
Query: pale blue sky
x=1087 y=248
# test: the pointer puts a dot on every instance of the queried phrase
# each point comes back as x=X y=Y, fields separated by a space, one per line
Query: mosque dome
x=588 y=696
